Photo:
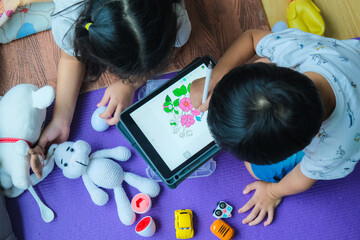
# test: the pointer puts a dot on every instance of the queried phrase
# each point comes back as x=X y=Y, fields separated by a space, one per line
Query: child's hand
x=56 y=132
x=263 y=203
x=119 y=96
x=196 y=94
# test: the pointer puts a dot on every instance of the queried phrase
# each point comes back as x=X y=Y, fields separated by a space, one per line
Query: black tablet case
x=187 y=170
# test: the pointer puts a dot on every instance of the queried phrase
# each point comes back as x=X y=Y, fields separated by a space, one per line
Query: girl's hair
x=126 y=37
x=263 y=113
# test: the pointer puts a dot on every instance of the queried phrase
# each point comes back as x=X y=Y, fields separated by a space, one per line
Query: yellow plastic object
x=184 y=224
x=305 y=15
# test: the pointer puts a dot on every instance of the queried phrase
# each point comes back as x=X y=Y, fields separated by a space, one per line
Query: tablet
x=165 y=129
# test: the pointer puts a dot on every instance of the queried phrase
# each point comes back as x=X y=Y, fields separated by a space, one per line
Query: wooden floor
x=342 y=17
x=215 y=24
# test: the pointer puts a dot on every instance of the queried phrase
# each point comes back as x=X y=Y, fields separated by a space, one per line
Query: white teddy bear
x=99 y=171
x=23 y=112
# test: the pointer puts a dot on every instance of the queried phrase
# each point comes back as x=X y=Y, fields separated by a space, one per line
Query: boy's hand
x=263 y=203
x=196 y=94
x=118 y=96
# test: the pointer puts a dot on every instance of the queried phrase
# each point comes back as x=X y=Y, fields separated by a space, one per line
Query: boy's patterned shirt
x=334 y=152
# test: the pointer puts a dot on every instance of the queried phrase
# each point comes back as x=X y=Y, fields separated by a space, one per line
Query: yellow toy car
x=184 y=224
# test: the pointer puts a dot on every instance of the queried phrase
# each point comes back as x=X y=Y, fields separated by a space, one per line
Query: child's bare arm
x=240 y=51
x=268 y=196
x=294 y=182
x=70 y=76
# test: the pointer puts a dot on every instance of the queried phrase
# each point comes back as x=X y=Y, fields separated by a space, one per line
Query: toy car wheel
x=218 y=213
x=222 y=205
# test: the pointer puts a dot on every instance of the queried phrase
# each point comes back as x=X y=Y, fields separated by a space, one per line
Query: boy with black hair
x=293 y=122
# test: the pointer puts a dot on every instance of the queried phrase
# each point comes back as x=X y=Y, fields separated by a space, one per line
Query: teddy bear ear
x=43 y=97
x=83 y=146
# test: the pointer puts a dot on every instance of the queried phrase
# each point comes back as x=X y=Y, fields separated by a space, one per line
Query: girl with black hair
x=132 y=39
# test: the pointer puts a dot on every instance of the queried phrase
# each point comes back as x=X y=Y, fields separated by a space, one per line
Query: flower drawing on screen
x=185 y=104
x=182 y=115
x=187 y=120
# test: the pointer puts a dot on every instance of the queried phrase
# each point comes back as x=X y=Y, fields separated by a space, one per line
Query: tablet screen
x=175 y=129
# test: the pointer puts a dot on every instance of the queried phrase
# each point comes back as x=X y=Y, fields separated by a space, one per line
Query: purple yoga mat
x=329 y=210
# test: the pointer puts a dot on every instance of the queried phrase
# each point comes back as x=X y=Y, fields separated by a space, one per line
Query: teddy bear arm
x=5 y=181
x=125 y=212
x=98 y=196
x=20 y=172
x=15 y=163
x=21 y=178
x=144 y=185
x=18 y=167
x=13 y=192
x=119 y=153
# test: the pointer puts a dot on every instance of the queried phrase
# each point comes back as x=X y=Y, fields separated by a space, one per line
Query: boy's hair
x=263 y=114
x=126 y=37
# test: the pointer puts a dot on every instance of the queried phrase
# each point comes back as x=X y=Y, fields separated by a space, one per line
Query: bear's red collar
x=13 y=140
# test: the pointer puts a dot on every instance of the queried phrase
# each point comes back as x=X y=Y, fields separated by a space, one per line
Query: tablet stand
x=205 y=170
